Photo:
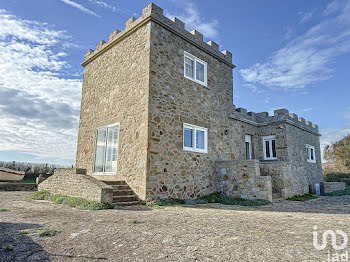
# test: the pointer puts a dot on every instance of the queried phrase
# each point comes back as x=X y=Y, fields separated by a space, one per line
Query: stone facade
x=75 y=183
x=330 y=187
x=137 y=79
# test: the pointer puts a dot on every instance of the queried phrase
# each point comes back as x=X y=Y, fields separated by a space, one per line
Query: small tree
x=339 y=152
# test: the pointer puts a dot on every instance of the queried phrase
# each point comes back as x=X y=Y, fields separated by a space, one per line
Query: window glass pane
x=267 y=149
x=274 y=148
x=312 y=153
x=199 y=71
x=200 y=139
x=189 y=65
x=100 y=149
x=112 y=149
x=188 y=137
x=308 y=153
x=247 y=150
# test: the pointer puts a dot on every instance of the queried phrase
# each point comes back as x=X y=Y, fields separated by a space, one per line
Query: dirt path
x=212 y=232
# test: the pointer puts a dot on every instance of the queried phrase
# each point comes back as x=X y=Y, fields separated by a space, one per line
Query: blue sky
x=289 y=54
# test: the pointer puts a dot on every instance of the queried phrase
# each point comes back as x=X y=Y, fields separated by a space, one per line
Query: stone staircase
x=276 y=197
x=122 y=193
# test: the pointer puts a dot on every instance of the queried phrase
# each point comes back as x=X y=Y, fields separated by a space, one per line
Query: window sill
x=104 y=173
x=313 y=162
x=195 y=151
x=197 y=81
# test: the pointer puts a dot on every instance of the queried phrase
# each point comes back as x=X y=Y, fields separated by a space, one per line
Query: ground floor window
x=248 y=147
x=310 y=151
x=195 y=138
x=269 y=144
x=106 y=149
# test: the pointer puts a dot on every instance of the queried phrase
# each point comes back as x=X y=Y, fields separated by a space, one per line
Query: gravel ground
x=210 y=232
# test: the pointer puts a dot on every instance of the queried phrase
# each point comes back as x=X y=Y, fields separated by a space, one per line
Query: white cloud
x=306 y=59
x=104 y=4
x=39 y=105
x=194 y=20
x=80 y=7
x=305 y=16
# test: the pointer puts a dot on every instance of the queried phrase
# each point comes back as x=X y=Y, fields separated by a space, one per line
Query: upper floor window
x=269 y=146
x=195 y=138
x=106 y=149
x=248 y=147
x=195 y=69
x=310 y=151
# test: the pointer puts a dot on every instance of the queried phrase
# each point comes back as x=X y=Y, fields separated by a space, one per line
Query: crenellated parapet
x=154 y=13
x=263 y=118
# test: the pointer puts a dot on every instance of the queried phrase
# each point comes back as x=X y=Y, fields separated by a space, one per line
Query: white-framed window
x=195 y=138
x=195 y=69
x=269 y=147
x=248 y=147
x=310 y=152
x=106 y=149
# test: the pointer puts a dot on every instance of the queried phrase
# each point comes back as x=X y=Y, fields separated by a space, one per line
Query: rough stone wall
x=241 y=178
x=330 y=187
x=287 y=179
x=18 y=187
x=297 y=140
x=115 y=90
x=175 y=100
x=74 y=183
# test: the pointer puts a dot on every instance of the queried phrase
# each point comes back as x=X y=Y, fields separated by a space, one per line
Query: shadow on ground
x=17 y=246
x=322 y=205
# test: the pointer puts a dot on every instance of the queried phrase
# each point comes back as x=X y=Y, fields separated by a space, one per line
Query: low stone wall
x=330 y=187
x=241 y=178
x=287 y=179
x=18 y=187
x=74 y=182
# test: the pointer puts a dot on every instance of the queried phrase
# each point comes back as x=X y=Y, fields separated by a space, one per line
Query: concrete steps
x=122 y=193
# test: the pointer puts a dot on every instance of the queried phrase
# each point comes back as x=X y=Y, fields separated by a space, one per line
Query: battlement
x=263 y=118
x=155 y=13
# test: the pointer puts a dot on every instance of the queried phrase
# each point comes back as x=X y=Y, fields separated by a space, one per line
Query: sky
x=288 y=54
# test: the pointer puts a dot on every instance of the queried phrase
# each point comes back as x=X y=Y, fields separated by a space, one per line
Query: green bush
x=304 y=197
x=76 y=202
x=337 y=177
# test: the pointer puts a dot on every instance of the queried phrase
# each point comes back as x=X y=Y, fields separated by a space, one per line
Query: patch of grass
x=8 y=247
x=47 y=232
x=345 y=192
x=24 y=232
x=304 y=197
x=76 y=202
x=133 y=221
x=39 y=195
x=226 y=200
x=4 y=210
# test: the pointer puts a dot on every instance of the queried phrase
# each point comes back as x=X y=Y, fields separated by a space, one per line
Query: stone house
x=157 y=114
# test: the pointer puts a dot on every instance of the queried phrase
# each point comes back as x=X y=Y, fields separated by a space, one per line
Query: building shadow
x=16 y=245
x=322 y=205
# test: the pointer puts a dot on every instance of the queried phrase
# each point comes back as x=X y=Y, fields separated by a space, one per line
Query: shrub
x=3 y=210
x=76 y=202
x=47 y=232
x=304 y=197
